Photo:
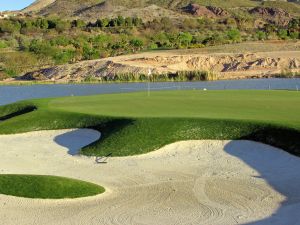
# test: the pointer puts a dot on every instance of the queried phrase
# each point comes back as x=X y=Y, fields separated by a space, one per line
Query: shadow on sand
x=76 y=139
x=280 y=170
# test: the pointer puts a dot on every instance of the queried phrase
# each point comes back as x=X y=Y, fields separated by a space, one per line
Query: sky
x=14 y=4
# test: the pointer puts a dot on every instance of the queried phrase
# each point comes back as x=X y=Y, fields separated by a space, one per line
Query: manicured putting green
x=274 y=106
x=46 y=187
x=135 y=123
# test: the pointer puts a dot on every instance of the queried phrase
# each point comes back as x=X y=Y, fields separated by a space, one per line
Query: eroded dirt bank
x=229 y=62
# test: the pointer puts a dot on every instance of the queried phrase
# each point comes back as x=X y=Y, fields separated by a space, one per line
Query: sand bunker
x=190 y=182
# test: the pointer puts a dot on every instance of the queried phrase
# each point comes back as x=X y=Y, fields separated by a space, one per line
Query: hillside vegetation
x=49 y=33
x=73 y=7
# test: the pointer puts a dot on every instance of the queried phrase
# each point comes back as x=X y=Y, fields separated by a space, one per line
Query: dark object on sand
x=102 y=159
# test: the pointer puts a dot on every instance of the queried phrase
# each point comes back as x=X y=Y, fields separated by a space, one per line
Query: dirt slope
x=223 y=65
x=38 y=5
x=93 y=9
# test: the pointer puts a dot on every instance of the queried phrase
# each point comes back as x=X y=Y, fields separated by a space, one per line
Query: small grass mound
x=46 y=187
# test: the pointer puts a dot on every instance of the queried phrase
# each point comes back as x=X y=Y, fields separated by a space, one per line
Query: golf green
x=135 y=123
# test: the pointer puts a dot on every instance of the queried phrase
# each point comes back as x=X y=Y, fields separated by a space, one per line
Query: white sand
x=191 y=182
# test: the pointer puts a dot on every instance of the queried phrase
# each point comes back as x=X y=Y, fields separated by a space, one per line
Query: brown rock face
x=275 y=15
x=218 y=11
x=205 y=11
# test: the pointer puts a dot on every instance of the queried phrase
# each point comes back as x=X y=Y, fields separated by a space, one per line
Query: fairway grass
x=134 y=123
x=46 y=187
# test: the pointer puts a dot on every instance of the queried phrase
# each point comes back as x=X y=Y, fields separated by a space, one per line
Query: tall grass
x=197 y=75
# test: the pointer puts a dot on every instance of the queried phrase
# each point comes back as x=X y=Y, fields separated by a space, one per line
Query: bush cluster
x=57 y=41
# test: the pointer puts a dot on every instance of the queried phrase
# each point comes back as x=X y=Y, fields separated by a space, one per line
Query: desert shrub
x=185 y=39
x=153 y=46
x=294 y=35
x=283 y=34
x=9 y=26
x=234 y=35
x=214 y=39
x=64 y=56
x=15 y=63
x=42 y=47
x=61 y=41
x=24 y=43
x=136 y=43
x=261 y=35
x=3 y=44
x=78 y=23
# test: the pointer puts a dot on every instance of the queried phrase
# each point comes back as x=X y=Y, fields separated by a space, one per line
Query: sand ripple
x=190 y=182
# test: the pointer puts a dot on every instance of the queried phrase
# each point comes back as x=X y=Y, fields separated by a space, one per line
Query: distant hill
x=38 y=5
x=150 y=9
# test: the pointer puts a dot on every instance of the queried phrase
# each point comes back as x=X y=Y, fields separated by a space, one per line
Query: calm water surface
x=9 y=94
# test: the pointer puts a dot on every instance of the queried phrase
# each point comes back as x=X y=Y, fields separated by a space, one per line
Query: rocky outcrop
x=273 y=15
x=205 y=11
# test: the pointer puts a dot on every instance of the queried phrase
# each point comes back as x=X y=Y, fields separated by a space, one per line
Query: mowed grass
x=134 y=123
x=46 y=187
x=280 y=107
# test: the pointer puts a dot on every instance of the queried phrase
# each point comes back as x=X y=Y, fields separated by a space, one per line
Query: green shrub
x=234 y=35
x=64 y=56
x=3 y=44
x=9 y=26
x=261 y=35
x=283 y=34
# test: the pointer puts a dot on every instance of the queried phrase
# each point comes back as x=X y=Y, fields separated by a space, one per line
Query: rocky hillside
x=38 y=5
x=151 y=9
x=223 y=65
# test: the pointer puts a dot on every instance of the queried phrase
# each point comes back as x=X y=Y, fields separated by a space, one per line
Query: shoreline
x=30 y=82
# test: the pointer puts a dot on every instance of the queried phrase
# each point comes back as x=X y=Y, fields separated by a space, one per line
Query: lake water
x=9 y=94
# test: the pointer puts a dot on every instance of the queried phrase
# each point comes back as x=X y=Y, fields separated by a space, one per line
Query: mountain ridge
x=94 y=9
